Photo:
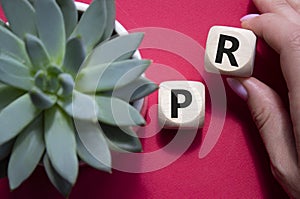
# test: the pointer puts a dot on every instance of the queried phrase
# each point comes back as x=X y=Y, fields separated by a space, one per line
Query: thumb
x=272 y=121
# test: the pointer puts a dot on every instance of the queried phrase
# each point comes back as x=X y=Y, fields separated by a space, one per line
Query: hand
x=279 y=26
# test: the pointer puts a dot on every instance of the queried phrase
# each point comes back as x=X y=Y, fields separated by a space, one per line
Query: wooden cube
x=181 y=104
x=230 y=51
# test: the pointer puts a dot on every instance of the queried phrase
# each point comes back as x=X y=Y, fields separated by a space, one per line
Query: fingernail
x=238 y=88
x=247 y=17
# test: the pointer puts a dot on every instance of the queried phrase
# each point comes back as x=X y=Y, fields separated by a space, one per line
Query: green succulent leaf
x=40 y=79
x=3 y=168
x=61 y=144
x=22 y=111
x=8 y=94
x=92 y=147
x=14 y=73
x=23 y=22
x=117 y=49
x=11 y=44
x=136 y=90
x=110 y=19
x=122 y=138
x=9 y=55
x=51 y=29
x=70 y=15
x=144 y=90
x=26 y=154
x=88 y=28
x=111 y=76
x=75 y=55
x=52 y=83
x=32 y=1
x=62 y=185
x=54 y=70
x=117 y=112
x=42 y=100
x=5 y=149
x=67 y=84
x=90 y=159
x=13 y=67
x=37 y=52
x=80 y=106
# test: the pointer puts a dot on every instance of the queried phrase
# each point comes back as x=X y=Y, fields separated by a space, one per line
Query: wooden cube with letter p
x=181 y=104
x=230 y=51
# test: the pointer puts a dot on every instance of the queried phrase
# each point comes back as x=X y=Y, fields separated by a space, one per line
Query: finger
x=284 y=37
x=281 y=7
x=273 y=123
x=295 y=4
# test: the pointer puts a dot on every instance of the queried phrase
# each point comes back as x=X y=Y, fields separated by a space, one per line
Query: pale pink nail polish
x=249 y=16
x=238 y=88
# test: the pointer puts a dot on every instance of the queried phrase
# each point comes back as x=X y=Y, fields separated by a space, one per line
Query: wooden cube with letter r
x=230 y=51
x=181 y=104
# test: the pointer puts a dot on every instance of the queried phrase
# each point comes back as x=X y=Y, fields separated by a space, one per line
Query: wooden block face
x=230 y=51
x=181 y=104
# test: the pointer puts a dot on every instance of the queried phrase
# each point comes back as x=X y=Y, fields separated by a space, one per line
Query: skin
x=279 y=130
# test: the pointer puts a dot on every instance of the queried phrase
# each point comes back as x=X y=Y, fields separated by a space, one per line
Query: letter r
x=228 y=51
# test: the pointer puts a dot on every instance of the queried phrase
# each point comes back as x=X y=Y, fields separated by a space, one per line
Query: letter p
x=181 y=104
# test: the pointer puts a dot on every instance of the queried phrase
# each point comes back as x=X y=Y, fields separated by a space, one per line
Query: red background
x=237 y=167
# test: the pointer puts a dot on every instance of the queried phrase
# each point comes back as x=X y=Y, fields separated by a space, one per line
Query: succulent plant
x=67 y=87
